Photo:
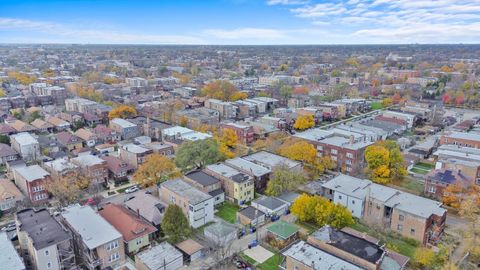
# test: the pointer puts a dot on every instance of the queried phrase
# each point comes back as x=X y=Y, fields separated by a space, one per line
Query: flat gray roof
x=32 y=173
x=9 y=258
x=271 y=160
x=248 y=166
x=160 y=256
x=185 y=190
x=94 y=230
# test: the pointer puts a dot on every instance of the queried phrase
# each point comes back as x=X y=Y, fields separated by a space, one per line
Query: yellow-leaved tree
x=219 y=89
x=122 y=111
x=385 y=162
x=304 y=122
x=238 y=96
x=156 y=169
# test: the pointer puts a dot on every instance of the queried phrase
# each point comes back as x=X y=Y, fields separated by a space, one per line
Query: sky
x=242 y=22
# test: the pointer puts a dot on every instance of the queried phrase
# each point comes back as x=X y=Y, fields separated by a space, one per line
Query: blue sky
x=240 y=21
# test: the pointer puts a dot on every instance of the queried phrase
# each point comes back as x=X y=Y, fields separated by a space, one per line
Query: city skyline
x=241 y=22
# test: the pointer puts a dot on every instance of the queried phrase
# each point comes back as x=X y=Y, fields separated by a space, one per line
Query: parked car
x=132 y=189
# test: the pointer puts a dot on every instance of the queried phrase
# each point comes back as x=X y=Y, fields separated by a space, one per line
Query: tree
x=67 y=189
x=219 y=89
x=198 y=154
x=4 y=139
x=283 y=179
x=424 y=257
x=286 y=91
x=385 y=162
x=154 y=170
x=2 y=92
x=470 y=211
x=123 y=111
x=446 y=69
x=175 y=224
x=238 y=96
x=321 y=211
x=455 y=194
x=352 y=61
x=229 y=137
x=306 y=153
x=301 y=90
x=387 y=102
x=304 y=122
x=34 y=115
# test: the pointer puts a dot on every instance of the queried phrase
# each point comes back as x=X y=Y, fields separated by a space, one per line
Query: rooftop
x=269 y=202
x=316 y=258
x=283 y=229
x=24 y=138
x=32 y=173
x=136 y=149
x=88 y=160
x=93 y=229
x=271 y=160
x=189 y=246
x=9 y=258
x=122 y=123
x=248 y=166
x=202 y=178
x=185 y=190
x=159 y=256
x=150 y=207
x=41 y=227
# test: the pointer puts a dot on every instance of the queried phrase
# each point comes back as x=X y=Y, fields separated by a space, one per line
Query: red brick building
x=244 y=133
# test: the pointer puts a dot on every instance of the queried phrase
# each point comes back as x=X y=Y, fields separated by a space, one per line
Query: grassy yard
x=247 y=259
x=401 y=245
x=228 y=212
x=409 y=184
x=376 y=106
x=272 y=263
x=422 y=168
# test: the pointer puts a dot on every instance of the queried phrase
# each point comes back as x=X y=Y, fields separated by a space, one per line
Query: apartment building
x=9 y=258
x=26 y=145
x=81 y=105
x=44 y=242
x=225 y=109
x=257 y=172
x=93 y=168
x=407 y=214
x=126 y=129
x=137 y=233
x=238 y=187
x=104 y=134
x=207 y=184
x=345 y=148
x=244 y=133
x=60 y=167
x=31 y=181
x=461 y=139
x=98 y=245
x=194 y=118
x=134 y=154
x=136 y=82
x=195 y=204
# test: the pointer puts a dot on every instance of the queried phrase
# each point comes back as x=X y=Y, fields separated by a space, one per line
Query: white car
x=131 y=189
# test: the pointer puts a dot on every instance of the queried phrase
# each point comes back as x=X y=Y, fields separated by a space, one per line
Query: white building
x=26 y=145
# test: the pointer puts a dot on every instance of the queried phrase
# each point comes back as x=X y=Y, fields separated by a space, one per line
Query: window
x=349 y=155
x=113 y=257
x=334 y=151
x=399 y=227
x=432 y=189
x=111 y=245
x=49 y=265
x=412 y=231
x=353 y=202
x=47 y=253
x=339 y=197
x=401 y=217
x=139 y=241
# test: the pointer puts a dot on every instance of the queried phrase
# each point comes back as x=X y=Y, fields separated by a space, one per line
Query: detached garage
x=191 y=250
x=164 y=256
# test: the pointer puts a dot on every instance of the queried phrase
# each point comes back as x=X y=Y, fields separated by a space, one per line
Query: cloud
x=286 y=2
x=71 y=34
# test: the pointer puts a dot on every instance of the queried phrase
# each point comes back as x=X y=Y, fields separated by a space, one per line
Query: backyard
x=228 y=212
x=422 y=168
x=271 y=263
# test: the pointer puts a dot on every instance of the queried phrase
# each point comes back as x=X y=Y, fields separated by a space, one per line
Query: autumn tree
x=198 y=154
x=446 y=69
x=219 y=89
x=123 y=111
x=424 y=258
x=470 y=211
x=22 y=78
x=387 y=102
x=238 y=96
x=284 y=179
x=385 y=162
x=319 y=210
x=352 y=61
x=300 y=90
x=306 y=153
x=285 y=91
x=154 y=170
x=304 y=122
x=175 y=224
x=67 y=189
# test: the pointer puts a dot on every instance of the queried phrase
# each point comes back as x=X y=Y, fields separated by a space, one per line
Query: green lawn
x=376 y=106
x=399 y=244
x=425 y=166
x=272 y=263
x=228 y=212
x=419 y=170
x=247 y=259
x=411 y=185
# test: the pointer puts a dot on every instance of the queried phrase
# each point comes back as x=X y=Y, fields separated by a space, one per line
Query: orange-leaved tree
x=122 y=111
x=304 y=122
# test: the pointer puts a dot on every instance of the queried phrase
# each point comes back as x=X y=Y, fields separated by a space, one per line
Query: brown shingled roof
x=126 y=222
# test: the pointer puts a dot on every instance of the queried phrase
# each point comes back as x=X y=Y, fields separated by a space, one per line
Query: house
x=191 y=250
x=163 y=256
x=21 y=126
x=93 y=168
x=407 y=214
x=126 y=129
x=6 y=129
x=196 y=117
x=7 y=153
x=270 y=161
x=136 y=232
x=10 y=195
x=259 y=173
x=250 y=216
x=98 y=244
x=89 y=138
x=356 y=248
x=69 y=140
x=134 y=154
x=42 y=126
x=26 y=145
x=150 y=207
x=304 y=256
x=183 y=134
x=150 y=127
x=9 y=258
x=92 y=119
x=161 y=148
x=270 y=206
x=238 y=187
x=117 y=169
x=60 y=167
x=58 y=123
x=207 y=184
x=44 y=241
x=106 y=135
x=31 y=180
x=105 y=149
x=195 y=204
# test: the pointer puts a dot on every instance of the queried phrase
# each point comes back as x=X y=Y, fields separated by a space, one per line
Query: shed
x=191 y=250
